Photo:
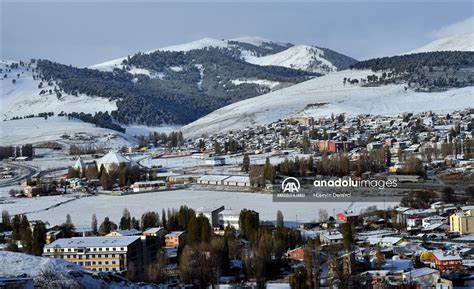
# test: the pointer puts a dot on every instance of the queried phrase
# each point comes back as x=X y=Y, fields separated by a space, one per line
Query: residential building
x=444 y=260
x=462 y=221
x=296 y=254
x=330 y=237
x=212 y=214
x=104 y=254
x=229 y=218
x=175 y=239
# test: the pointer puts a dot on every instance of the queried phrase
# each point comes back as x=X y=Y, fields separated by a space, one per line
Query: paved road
x=30 y=170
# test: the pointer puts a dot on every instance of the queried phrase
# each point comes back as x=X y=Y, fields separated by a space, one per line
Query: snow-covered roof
x=415 y=273
x=240 y=179
x=213 y=178
x=334 y=235
x=130 y=232
x=79 y=164
x=113 y=158
x=93 y=242
x=175 y=234
x=153 y=230
x=446 y=256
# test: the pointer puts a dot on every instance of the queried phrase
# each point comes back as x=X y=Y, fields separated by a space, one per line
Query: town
x=424 y=239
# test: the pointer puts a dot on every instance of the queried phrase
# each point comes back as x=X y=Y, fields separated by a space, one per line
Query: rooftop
x=93 y=242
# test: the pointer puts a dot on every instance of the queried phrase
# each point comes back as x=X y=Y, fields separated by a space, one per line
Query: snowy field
x=81 y=210
x=329 y=95
x=235 y=160
x=35 y=130
x=298 y=57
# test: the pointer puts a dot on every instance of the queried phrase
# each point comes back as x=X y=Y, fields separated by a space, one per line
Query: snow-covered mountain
x=260 y=51
x=21 y=95
x=323 y=96
x=458 y=42
x=303 y=57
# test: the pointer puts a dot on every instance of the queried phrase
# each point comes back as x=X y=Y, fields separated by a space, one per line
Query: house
x=348 y=217
x=175 y=239
x=462 y=221
x=238 y=181
x=215 y=161
x=120 y=233
x=212 y=180
x=426 y=277
x=405 y=178
x=296 y=254
x=148 y=186
x=385 y=241
x=444 y=260
x=155 y=232
x=330 y=237
x=212 y=214
x=374 y=146
x=103 y=254
x=229 y=218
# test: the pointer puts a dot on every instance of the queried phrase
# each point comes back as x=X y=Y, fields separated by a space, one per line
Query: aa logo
x=290 y=185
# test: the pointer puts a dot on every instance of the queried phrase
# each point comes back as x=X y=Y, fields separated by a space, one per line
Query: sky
x=84 y=33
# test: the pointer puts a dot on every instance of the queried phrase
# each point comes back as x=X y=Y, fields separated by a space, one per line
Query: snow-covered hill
x=303 y=57
x=458 y=42
x=323 y=96
x=21 y=95
x=56 y=273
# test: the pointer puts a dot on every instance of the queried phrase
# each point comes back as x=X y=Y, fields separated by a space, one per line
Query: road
x=30 y=171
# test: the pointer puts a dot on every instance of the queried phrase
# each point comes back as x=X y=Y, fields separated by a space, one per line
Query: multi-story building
x=229 y=218
x=109 y=254
x=175 y=239
x=211 y=213
x=447 y=260
x=462 y=221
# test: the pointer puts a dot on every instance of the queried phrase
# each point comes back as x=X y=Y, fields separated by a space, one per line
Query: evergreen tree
x=107 y=226
x=39 y=238
x=125 y=221
x=246 y=163
x=94 y=225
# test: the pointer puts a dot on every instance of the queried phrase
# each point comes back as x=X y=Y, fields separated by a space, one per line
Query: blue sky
x=85 y=32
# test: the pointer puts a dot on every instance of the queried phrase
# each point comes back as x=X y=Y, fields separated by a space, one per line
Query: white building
x=140 y=187
x=229 y=217
x=112 y=159
x=104 y=254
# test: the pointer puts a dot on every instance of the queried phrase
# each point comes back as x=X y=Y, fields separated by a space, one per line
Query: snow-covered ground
x=455 y=37
x=15 y=264
x=257 y=41
x=323 y=96
x=302 y=57
x=234 y=160
x=81 y=210
x=262 y=82
x=35 y=130
x=22 y=97
x=140 y=129
x=461 y=42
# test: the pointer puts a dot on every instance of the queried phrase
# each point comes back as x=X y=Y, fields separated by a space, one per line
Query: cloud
x=462 y=27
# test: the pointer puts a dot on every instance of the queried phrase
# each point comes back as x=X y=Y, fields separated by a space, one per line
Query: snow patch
x=262 y=82
x=302 y=57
